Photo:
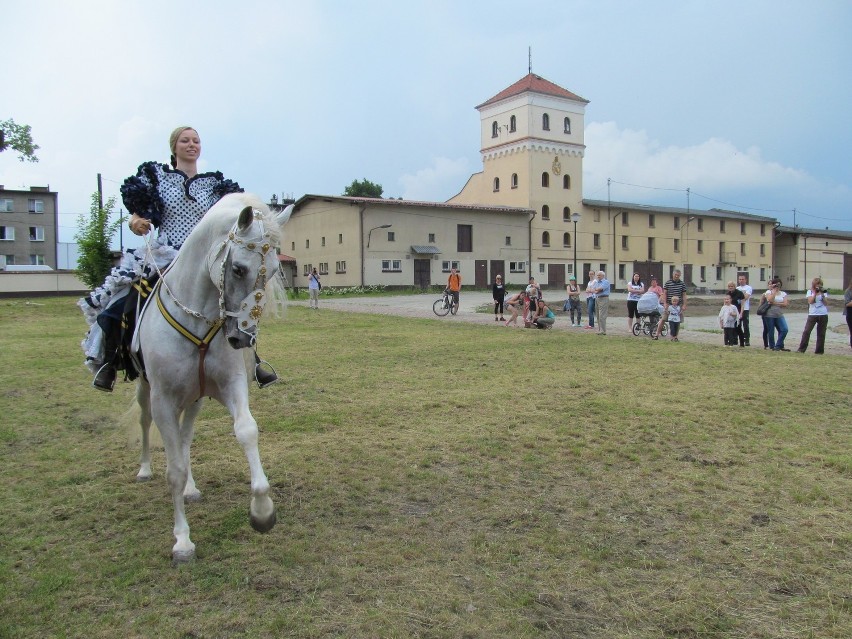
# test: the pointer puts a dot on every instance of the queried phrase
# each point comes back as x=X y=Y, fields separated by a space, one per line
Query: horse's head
x=250 y=261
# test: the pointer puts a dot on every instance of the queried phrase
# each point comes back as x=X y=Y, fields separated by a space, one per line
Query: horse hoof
x=263 y=525
x=192 y=498
x=141 y=479
x=180 y=557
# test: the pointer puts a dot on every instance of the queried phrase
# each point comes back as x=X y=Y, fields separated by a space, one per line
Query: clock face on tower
x=557 y=168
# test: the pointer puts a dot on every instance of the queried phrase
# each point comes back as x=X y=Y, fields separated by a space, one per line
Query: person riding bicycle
x=454 y=285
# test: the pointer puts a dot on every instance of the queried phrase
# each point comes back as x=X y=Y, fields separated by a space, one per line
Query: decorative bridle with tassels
x=250 y=309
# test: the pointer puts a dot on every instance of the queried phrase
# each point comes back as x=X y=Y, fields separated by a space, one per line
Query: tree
x=363 y=188
x=94 y=235
x=20 y=138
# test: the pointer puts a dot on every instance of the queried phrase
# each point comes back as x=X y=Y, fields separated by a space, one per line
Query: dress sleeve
x=224 y=187
x=141 y=195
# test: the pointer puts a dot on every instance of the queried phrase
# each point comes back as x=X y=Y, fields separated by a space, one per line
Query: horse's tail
x=130 y=422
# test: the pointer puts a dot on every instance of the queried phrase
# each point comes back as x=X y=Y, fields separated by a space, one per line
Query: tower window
x=496 y=184
x=545 y=179
x=545 y=239
x=494 y=129
x=566 y=181
x=545 y=212
x=566 y=240
x=566 y=214
x=513 y=124
x=545 y=122
x=567 y=128
x=514 y=180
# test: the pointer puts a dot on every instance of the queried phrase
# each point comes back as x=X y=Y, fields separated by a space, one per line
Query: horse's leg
x=143 y=398
x=167 y=419
x=262 y=510
x=190 y=492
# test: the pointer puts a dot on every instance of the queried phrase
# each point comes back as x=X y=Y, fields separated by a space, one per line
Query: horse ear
x=246 y=219
x=282 y=217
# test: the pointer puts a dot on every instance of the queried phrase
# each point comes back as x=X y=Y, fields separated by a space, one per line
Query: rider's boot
x=263 y=376
x=105 y=377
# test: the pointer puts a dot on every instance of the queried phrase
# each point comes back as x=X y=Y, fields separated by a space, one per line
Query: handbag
x=764 y=306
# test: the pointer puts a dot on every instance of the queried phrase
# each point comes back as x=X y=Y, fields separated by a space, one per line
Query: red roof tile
x=536 y=84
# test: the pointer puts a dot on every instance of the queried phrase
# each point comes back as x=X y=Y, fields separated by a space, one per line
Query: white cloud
x=438 y=182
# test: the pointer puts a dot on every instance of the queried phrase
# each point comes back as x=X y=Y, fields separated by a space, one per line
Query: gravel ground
x=700 y=317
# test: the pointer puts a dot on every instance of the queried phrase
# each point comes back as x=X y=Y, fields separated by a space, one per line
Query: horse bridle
x=250 y=309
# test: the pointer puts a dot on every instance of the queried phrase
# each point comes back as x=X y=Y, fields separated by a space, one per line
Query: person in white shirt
x=817 y=316
x=742 y=285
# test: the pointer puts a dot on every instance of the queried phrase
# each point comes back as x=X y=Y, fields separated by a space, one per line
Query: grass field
x=437 y=479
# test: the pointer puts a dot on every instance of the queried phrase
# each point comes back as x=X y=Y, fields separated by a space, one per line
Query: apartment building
x=28 y=227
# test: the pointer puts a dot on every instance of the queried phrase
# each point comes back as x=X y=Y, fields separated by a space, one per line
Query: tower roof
x=535 y=84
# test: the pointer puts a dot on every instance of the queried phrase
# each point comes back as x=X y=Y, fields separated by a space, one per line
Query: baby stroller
x=649 y=311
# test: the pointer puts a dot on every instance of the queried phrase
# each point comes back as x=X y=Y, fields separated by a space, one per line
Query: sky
x=743 y=103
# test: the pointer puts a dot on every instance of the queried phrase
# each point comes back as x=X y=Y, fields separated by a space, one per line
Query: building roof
x=534 y=84
x=358 y=201
x=798 y=230
x=425 y=249
x=673 y=210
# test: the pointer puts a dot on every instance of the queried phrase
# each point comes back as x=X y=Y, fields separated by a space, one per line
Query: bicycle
x=647 y=325
x=445 y=304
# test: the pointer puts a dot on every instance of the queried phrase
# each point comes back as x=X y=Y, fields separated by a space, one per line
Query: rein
x=250 y=309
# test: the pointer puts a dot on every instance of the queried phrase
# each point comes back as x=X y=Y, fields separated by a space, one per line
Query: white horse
x=204 y=309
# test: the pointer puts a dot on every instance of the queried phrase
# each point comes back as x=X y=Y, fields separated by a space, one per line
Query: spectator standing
x=775 y=315
x=746 y=290
x=590 y=299
x=454 y=285
x=314 y=287
x=534 y=294
x=817 y=316
x=737 y=298
x=674 y=318
x=847 y=309
x=602 y=289
x=635 y=288
x=728 y=321
x=656 y=288
x=673 y=287
x=498 y=292
x=573 y=290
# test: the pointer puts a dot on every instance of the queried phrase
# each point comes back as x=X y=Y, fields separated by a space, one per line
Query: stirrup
x=262 y=377
x=105 y=378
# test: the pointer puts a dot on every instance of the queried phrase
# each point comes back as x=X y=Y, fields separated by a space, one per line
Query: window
x=545 y=122
x=566 y=240
x=7 y=232
x=307 y=269
x=7 y=206
x=566 y=181
x=545 y=239
x=494 y=129
x=391 y=236
x=446 y=265
x=624 y=242
x=340 y=267
x=621 y=272
x=431 y=238
x=322 y=241
x=307 y=244
x=293 y=246
x=323 y=268
x=651 y=221
x=566 y=127
x=742 y=248
x=651 y=248
x=545 y=212
x=36 y=234
x=464 y=242
x=721 y=226
x=742 y=228
x=35 y=206
x=624 y=219
x=703 y=276
x=763 y=250
x=513 y=124
x=10 y=260
x=676 y=222
x=762 y=274
x=508 y=240
x=700 y=246
x=545 y=179
x=700 y=224
x=541 y=268
x=496 y=184
x=517 y=267
x=763 y=230
x=340 y=238
x=514 y=180
x=718 y=273
x=391 y=266
x=36 y=260
x=596 y=216
x=597 y=240
x=566 y=214
x=676 y=245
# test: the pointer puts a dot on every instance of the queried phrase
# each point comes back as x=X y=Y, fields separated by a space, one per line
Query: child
x=728 y=321
x=674 y=318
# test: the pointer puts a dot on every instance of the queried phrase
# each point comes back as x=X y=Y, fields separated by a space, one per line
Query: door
x=422 y=273
x=687 y=275
x=481 y=275
x=556 y=276
x=647 y=270
x=498 y=267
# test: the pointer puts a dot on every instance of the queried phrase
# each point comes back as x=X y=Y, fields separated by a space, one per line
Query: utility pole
x=100 y=193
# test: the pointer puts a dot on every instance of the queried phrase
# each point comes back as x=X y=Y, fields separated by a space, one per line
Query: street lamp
x=575 y=217
x=383 y=226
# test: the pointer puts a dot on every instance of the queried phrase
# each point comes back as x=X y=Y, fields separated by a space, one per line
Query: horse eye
x=237 y=270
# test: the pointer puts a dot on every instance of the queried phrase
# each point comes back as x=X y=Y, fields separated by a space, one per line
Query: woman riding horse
x=173 y=200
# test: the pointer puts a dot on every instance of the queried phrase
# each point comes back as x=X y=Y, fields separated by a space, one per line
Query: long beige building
x=524 y=214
